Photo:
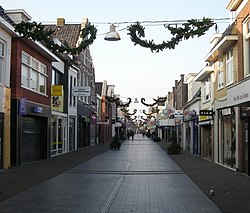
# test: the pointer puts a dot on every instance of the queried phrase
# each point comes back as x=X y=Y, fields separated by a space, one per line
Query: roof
x=6 y=17
x=68 y=33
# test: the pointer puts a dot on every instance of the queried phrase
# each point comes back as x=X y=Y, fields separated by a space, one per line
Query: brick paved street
x=140 y=177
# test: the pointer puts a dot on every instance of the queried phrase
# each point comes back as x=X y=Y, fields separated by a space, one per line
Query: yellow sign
x=57 y=103
x=57 y=90
x=203 y=118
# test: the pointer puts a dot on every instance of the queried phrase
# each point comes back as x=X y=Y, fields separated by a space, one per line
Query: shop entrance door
x=58 y=135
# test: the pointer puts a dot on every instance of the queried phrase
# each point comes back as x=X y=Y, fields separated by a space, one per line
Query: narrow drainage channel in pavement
x=113 y=172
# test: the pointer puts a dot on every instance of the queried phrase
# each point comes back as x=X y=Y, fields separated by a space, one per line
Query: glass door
x=58 y=135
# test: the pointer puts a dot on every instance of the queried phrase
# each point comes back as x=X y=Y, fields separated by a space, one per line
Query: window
x=74 y=98
x=55 y=77
x=70 y=90
x=2 y=60
x=34 y=74
x=220 y=74
x=246 y=46
x=207 y=90
x=229 y=66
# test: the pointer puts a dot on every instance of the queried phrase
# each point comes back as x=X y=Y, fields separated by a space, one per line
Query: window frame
x=246 y=46
x=39 y=72
x=229 y=67
x=220 y=75
x=2 y=60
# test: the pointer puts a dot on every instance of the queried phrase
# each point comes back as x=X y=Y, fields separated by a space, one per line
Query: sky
x=135 y=71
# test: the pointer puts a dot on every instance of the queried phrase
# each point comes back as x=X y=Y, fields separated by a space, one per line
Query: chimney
x=60 y=22
x=84 y=22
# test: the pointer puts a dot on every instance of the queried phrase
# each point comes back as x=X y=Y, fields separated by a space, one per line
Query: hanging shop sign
x=206 y=112
x=57 y=98
x=81 y=91
x=205 y=115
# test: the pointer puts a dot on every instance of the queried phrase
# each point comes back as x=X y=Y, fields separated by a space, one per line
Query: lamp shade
x=112 y=35
x=136 y=101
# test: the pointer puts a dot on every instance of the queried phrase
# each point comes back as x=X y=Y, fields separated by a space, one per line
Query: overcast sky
x=135 y=71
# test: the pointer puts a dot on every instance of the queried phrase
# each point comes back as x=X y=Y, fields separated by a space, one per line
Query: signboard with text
x=81 y=91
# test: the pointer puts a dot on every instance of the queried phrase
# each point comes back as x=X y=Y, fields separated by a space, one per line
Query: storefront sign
x=238 y=94
x=38 y=109
x=57 y=90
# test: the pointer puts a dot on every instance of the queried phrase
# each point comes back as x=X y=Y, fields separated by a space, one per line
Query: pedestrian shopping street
x=140 y=177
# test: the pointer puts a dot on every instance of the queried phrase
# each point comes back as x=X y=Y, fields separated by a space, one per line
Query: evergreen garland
x=188 y=30
x=36 y=32
x=192 y=28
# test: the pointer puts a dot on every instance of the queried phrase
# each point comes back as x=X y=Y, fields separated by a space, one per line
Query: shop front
x=227 y=137
x=30 y=131
x=58 y=129
x=58 y=134
x=206 y=134
x=190 y=132
x=245 y=119
x=239 y=100
x=83 y=125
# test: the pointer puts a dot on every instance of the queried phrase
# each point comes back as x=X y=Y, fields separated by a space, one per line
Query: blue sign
x=22 y=106
x=38 y=109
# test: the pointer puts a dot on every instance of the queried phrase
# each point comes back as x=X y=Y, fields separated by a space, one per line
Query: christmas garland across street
x=188 y=30
x=37 y=33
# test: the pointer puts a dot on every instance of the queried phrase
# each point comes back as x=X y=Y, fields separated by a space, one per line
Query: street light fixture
x=112 y=35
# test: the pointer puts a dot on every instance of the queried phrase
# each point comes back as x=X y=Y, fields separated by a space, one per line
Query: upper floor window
x=229 y=67
x=2 y=60
x=246 y=46
x=34 y=74
x=55 y=77
x=220 y=75
x=207 y=90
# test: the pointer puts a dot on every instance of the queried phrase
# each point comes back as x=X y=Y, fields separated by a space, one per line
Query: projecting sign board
x=81 y=91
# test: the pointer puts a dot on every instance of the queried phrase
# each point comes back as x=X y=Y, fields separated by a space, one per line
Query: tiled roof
x=68 y=33
x=6 y=17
